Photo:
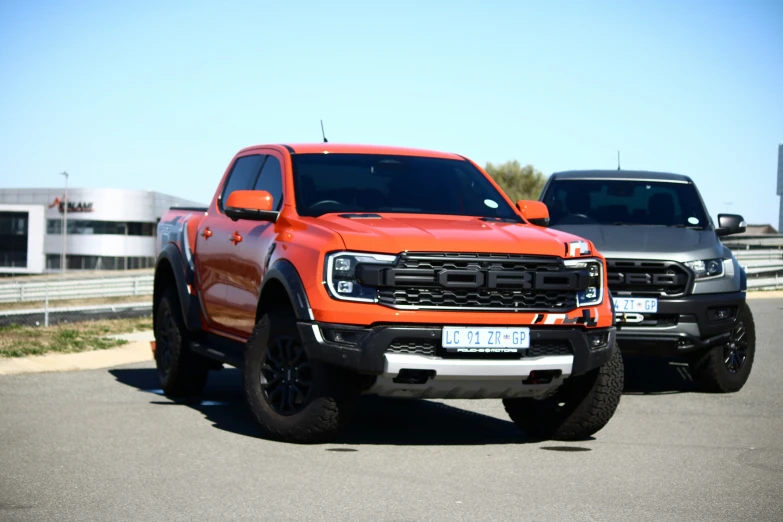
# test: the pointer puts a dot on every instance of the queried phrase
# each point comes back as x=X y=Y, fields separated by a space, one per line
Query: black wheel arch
x=282 y=282
x=171 y=271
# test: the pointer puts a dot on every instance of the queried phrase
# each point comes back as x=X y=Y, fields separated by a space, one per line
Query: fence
x=61 y=289
x=762 y=259
x=78 y=296
x=760 y=256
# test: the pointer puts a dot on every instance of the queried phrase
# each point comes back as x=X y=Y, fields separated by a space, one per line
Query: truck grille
x=480 y=281
x=658 y=278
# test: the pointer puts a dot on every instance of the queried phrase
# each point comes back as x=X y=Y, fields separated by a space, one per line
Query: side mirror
x=534 y=211
x=729 y=224
x=254 y=205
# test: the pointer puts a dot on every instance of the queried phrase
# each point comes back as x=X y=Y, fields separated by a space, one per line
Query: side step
x=220 y=349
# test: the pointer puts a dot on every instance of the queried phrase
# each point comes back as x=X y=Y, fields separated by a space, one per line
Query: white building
x=108 y=229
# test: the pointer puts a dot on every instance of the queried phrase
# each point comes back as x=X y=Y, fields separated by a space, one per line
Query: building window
x=117 y=228
x=78 y=262
x=13 y=239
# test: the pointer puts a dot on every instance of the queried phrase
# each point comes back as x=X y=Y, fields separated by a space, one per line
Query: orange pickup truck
x=327 y=271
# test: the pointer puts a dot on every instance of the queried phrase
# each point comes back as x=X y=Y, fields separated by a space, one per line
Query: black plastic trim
x=284 y=271
x=220 y=349
x=188 y=303
x=368 y=355
x=692 y=308
x=289 y=148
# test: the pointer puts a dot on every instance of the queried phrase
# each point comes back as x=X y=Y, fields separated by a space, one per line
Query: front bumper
x=684 y=325
x=386 y=350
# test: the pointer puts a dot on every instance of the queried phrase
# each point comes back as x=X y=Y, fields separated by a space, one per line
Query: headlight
x=706 y=269
x=341 y=275
x=594 y=293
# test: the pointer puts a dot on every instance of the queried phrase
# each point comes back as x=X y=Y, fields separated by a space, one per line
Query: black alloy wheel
x=736 y=349
x=286 y=376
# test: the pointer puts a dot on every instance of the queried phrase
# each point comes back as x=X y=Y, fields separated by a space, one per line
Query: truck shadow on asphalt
x=379 y=420
x=657 y=376
x=388 y=421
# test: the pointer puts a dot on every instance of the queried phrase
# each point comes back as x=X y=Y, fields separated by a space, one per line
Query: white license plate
x=639 y=305
x=482 y=339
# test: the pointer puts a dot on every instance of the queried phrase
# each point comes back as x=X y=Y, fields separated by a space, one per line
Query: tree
x=517 y=182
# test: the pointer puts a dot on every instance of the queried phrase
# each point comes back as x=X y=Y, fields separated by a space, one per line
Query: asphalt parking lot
x=104 y=445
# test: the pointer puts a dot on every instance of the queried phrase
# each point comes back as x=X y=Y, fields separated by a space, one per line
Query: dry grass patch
x=65 y=303
x=19 y=341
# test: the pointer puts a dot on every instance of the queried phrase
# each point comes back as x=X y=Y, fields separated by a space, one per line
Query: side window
x=271 y=180
x=242 y=176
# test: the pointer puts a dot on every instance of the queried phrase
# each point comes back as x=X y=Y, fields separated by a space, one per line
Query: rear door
x=255 y=244
x=214 y=249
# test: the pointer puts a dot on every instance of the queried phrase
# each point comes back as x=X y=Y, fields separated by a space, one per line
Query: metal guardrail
x=749 y=242
x=762 y=259
x=764 y=267
x=53 y=290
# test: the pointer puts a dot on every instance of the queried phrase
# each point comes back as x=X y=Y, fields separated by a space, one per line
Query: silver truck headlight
x=706 y=269
x=340 y=268
x=594 y=293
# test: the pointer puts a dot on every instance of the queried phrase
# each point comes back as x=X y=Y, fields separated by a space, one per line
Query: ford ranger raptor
x=678 y=291
x=327 y=271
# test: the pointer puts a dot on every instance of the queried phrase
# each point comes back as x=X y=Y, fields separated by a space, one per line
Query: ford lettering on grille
x=664 y=278
x=475 y=281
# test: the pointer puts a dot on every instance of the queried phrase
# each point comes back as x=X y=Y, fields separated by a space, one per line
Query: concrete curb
x=765 y=294
x=133 y=352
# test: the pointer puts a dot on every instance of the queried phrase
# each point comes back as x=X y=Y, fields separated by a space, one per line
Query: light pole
x=65 y=223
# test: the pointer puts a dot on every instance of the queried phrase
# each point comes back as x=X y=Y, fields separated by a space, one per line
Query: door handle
x=235 y=238
x=207 y=233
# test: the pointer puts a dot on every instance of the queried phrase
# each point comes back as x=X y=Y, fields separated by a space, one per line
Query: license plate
x=636 y=304
x=485 y=340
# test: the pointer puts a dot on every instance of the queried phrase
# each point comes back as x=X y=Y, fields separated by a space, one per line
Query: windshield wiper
x=498 y=219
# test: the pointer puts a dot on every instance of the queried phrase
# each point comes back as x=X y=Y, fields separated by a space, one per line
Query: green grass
x=19 y=341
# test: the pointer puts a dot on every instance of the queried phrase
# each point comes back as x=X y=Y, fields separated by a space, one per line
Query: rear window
x=624 y=202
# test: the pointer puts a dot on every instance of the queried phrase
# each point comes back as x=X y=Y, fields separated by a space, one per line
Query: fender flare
x=743 y=279
x=284 y=272
x=183 y=277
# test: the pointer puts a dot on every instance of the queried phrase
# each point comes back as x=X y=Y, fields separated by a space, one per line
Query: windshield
x=374 y=183
x=624 y=202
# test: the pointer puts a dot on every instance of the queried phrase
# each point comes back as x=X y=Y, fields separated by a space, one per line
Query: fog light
x=344 y=287
x=722 y=313
x=597 y=340
x=591 y=292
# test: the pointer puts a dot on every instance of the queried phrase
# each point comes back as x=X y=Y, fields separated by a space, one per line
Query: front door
x=214 y=250
x=251 y=244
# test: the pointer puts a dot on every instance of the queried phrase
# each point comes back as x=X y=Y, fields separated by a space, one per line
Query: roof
x=760 y=230
x=622 y=174
x=344 y=148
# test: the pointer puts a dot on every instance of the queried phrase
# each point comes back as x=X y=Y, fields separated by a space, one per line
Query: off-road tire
x=710 y=369
x=577 y=410
x=321 y=413
x=181 y=372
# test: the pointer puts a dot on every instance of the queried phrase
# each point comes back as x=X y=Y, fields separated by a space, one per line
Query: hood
x=394 y=233
x=649 y=242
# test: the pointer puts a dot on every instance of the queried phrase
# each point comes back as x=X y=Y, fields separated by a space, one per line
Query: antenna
x=618 y=160
x=322 y=132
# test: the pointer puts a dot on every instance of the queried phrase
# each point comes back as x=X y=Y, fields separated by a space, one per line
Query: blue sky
x=160 y=95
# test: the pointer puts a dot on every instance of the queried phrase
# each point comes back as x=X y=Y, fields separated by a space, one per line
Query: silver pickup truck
x=677 y=290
